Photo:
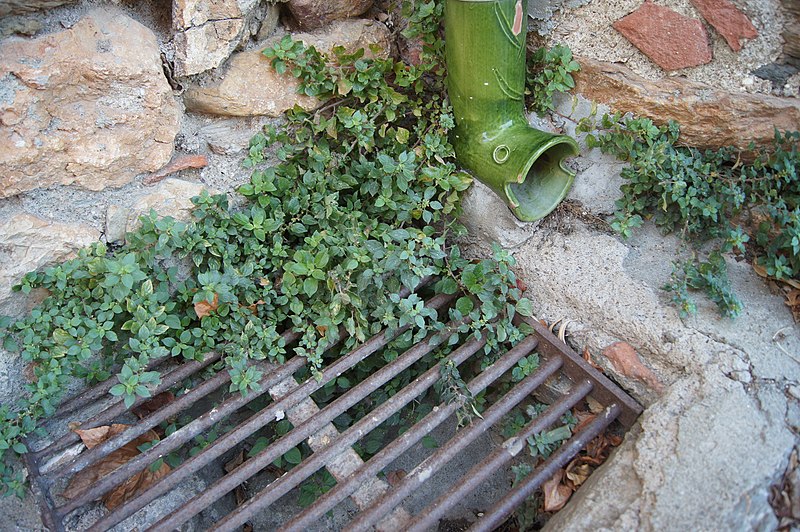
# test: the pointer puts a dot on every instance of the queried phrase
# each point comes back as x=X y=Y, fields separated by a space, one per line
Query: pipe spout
x=485 y=53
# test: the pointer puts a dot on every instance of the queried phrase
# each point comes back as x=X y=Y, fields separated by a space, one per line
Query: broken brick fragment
x=728 y=20
x=673 y=41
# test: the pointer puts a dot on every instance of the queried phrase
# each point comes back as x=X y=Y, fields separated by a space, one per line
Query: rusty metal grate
x=379 y=504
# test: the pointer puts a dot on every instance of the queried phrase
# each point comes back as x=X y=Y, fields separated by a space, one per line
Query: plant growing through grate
x=328 y=247
x=481 y=394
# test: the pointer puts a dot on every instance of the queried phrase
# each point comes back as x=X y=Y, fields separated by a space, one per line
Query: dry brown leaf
x=595 y=407
x=578 y=471
x=626 y=361
x=394 y=477
x=236 y=461
x=97 y=435
x=322 y=330
x=30 y=372
x=762 y=272
x=153 y=405
x=181 y=162
x=89 y=476
x=793 y=302
x=254 y=307
x=556 y=494
x=204 y=308
x=587 y=356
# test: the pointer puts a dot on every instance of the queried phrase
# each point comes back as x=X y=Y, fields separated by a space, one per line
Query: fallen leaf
x=587 y=356
x=234 y=462
x=556 y=494
x=254 y=307
x=578 y=471
x=89 y=476
x=762 y=272
x=394 y=477
x=626 y=361
x=204 y=308
x=793 y=302
x=97 y=435
x=322 y=329
x=263 y=281
x=156 y=403
x=595 y=407
x=181 y=162
x=30 y=372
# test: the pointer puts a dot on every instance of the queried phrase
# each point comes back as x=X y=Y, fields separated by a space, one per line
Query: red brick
x=728 y=20
x=673 y=41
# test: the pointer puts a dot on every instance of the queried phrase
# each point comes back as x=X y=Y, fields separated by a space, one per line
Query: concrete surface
x=706 y=450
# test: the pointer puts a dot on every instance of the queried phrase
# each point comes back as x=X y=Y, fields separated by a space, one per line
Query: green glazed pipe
x=485 y=52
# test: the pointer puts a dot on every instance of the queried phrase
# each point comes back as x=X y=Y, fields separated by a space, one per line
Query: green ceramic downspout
x=485 y=50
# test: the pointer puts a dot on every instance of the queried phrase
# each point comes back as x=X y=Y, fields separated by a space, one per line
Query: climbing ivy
x=346 y=206
x=717 y=202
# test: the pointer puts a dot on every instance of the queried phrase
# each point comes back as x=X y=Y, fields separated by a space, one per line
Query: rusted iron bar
x=283 y=485
x=230 y=439
x=605 y=391
x=404 y=442
x=498 y=459
x=118 y=407
x=234 y=478
x=42 y=493
x=97 y=391
x=91 y=456
x=173 y=442
x=174 y=408
x=503 y=509
x=461 y=440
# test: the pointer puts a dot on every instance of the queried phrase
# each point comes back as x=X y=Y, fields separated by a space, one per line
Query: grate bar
x=300 y=433
x=380 y=505
x=117 y=407
x=411 y=436
x=96 y=392
x=499 y=458
x=173 y=442
x=176 y=440
x=577 y=369
x=500 y=512
x=283 y=485
x=231 y=439
x=462 y=439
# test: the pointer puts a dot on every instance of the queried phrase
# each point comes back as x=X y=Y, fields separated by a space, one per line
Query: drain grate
x=379 y=504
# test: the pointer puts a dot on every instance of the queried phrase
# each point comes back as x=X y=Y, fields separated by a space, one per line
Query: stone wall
x=100 y=101
x=109 y=108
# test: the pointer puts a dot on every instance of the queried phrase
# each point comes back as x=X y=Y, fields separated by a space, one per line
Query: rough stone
x=312 y=14
x=20 y=7
x=709 y=118
x=208 y=32
x=171 y=197
x=251 y=87
x=28 y=243
x=19 y=25
x=270 y=22
x=88 y=106
x=491 y=220
x=728 y=20
x=671 y=40
x=704 y=454
x=791 y=31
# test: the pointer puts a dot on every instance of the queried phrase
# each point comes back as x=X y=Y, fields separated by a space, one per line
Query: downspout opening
x=547 y=181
